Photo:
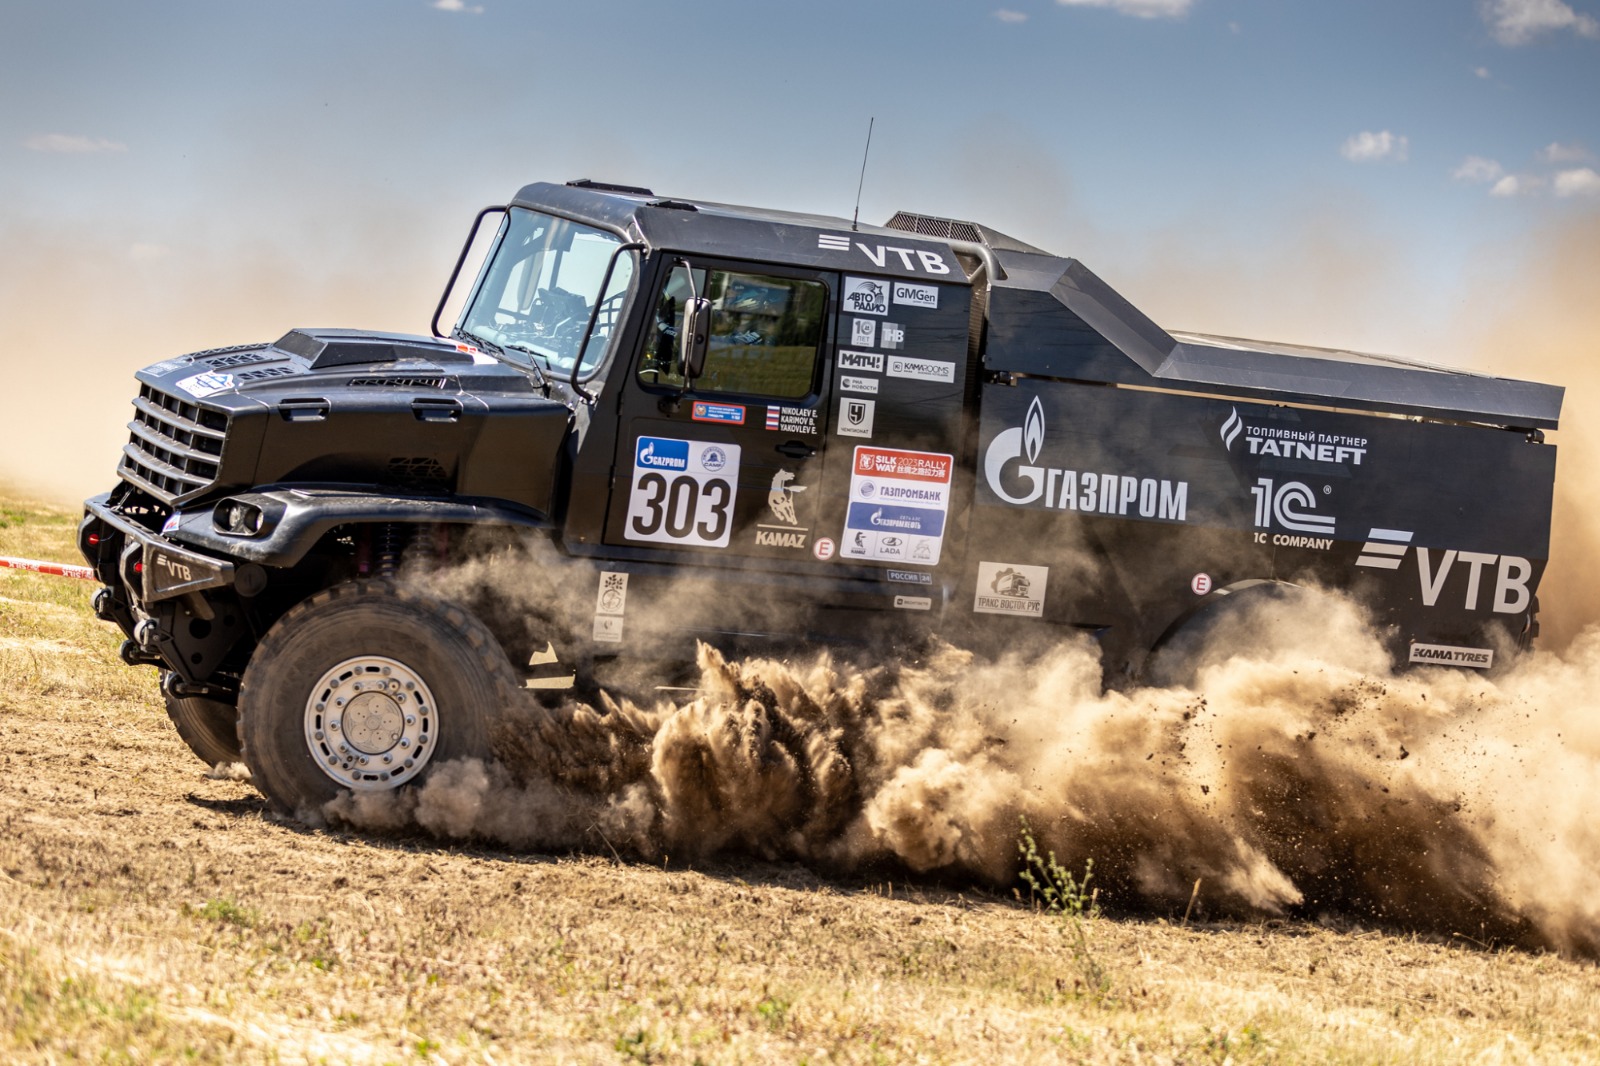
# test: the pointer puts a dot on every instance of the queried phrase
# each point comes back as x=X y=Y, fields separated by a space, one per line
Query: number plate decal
x=683 y=492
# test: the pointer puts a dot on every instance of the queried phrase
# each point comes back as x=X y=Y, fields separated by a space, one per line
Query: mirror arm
x=450 y=286
x=594 y=315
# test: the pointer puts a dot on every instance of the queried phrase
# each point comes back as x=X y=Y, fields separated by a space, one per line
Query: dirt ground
x=152 y=910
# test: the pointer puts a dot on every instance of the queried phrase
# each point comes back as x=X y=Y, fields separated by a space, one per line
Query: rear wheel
x=366 y=687
x=210 y=728
x=1246 y=618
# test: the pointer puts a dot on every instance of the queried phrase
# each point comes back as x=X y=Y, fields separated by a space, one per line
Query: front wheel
x=210 y=728
x=364 y=687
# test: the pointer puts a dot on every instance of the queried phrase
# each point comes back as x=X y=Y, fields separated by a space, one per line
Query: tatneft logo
x=1072 y=490
x=1290 y=442
x=661 y=453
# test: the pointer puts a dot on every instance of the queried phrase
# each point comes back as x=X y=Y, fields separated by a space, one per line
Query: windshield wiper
x=499 y=352
x=538 y=365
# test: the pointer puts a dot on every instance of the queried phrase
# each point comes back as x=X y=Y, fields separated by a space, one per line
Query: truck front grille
x=175 y=447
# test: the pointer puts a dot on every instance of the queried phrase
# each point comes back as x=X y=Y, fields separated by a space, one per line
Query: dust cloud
x=1549 y=330
x=1304 y=779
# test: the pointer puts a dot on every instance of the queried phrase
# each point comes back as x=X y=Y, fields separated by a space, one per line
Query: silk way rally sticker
x=897 y=506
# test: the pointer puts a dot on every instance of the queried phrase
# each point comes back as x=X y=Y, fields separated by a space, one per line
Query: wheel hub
x=373 y=723
x=370 y=723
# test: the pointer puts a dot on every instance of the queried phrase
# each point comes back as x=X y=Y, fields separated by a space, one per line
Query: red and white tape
x=82 y=573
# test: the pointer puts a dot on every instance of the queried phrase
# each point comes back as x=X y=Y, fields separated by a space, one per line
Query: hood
x=333 y=358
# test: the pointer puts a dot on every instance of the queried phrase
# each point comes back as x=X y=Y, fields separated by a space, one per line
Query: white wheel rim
x=371 y=723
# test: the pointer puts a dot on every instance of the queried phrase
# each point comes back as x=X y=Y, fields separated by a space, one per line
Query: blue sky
x=176 y=175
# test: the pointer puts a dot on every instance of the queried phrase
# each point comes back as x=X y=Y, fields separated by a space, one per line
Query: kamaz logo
x=660 y=453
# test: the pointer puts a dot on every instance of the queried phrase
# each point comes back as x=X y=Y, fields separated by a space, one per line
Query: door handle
x=796 y=449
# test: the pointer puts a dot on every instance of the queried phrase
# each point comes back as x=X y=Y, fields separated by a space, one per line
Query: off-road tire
x=210 y=728
x=1211 y=634
x=438 y=644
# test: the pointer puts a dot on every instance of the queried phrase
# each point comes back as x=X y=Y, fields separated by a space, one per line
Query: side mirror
x=696 y=336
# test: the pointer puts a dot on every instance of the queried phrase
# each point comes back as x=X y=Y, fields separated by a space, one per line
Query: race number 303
x=683 y=491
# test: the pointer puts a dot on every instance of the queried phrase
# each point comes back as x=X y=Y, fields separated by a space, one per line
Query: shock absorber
x=388 y=541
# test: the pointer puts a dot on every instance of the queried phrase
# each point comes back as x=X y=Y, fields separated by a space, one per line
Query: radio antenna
x=856 y=218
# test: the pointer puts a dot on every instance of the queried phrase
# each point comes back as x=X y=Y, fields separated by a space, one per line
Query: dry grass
x=149 y=912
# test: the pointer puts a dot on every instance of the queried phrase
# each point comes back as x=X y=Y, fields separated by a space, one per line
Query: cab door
x=729 y=463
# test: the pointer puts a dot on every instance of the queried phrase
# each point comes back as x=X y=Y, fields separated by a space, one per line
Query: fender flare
x=295 y=519
x=1159 y=664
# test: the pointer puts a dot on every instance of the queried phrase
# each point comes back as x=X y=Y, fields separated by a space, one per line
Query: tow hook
x=179 y=689
x=134 y=655
x=147 y=634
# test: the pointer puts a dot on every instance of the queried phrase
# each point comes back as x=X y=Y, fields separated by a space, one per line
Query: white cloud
x=457 y=5
x=1368 y=147
x=1476 y=168
x=1565 y=153
x=1580 y=182
x=1516 y=185
x=1482 y=72
x=1515 y=22
x=1007 y=15
x=71 y=144
x=1144 y=9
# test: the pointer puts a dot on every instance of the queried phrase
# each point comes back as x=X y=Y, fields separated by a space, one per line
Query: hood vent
x=400 y=383
x=325 y=348
x=928 y=226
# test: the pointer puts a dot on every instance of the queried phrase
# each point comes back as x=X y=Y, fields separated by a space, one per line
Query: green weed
x=1074 y=904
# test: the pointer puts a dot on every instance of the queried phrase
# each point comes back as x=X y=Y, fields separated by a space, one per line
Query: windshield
x=537 y=291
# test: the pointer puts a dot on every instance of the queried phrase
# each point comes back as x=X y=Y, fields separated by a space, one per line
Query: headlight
x=237 y=518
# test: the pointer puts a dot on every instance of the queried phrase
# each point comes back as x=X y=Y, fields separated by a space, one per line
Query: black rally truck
x=657 y=422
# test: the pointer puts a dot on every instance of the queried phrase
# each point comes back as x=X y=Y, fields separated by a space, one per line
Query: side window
x=765 y=333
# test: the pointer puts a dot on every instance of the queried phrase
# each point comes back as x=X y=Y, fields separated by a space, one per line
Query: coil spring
x=388 y=542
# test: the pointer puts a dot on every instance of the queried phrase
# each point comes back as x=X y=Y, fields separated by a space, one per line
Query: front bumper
x=176 y=606
x=148 y=566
